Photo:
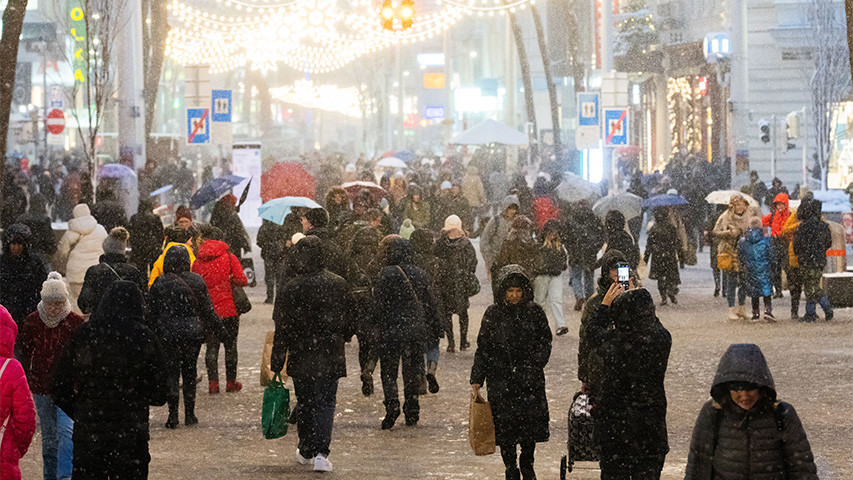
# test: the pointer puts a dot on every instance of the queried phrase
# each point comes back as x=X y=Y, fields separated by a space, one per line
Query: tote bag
x=276 y=409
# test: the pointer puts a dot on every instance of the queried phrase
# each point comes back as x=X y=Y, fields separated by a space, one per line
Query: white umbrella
x=628 y=204
x=392 y=162
x=721 y=197
x=574 y=188
x=489 y=132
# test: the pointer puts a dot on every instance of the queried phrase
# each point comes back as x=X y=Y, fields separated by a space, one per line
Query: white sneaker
x=303 y=460
x=322 y=464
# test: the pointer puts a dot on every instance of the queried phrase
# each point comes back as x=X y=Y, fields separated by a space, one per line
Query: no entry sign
x=55 y=121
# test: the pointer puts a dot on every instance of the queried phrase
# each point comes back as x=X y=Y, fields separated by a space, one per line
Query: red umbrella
x=286 y=179
x=354 y=188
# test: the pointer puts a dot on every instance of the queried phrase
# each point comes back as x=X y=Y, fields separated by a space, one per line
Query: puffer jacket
x=16 y=403
x=776 y=220
x=157 y=268
x=21 y=276
x=112 y=267
x=81 y=244
x=728 y=230
x=767 y=442
x=455 y=255
x=220 y=269
x=813 y=237
x=756 y=256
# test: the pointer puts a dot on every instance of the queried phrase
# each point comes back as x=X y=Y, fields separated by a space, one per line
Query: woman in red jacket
x=43 y=337
x=220 y=270
x=17 y=413
x=777 y=217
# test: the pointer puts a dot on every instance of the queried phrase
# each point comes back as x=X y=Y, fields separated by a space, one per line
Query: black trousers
x=112 y=465
x=629 y=469
x=367 y=358
x=463 y=326
x=211 y=357
x=411 y=355
x=181 y=358
x=271 y=270
x=525 y=460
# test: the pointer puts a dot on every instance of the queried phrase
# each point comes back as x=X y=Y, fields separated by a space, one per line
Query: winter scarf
x=52 y=322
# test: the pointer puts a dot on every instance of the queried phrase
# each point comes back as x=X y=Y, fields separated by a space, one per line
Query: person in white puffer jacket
x=81 y=246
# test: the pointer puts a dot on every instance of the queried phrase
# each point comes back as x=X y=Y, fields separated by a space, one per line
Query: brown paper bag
x=266 y=370
x=481 y=426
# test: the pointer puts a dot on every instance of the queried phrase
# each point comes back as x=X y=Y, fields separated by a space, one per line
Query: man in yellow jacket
x=174 y=236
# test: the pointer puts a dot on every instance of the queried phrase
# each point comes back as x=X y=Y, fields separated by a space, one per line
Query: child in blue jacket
x=756 y=258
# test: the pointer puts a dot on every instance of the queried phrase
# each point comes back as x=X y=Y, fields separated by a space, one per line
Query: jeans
x=733 y=281
x=211 y=357
x=412 y=357
x=181 y=364
x=549 y=290
x=632 y=469
x=317 y=398
x=583 y=282
x=57 y=448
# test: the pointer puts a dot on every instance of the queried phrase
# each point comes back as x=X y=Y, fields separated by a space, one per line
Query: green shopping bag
x=276 y=409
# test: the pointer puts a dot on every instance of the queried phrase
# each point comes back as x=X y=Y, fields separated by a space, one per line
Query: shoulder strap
x=412 y=290
x=113 y=270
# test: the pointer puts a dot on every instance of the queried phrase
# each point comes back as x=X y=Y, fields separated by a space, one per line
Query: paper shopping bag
x=266 y=371
x=481 y=426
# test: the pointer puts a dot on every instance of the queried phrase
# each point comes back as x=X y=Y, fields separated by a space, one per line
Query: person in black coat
x=106 y=378
x=181 y=314
x=743 y=431
x=315 y=223
x=43 y=239
x=113 y=266
x=407 y=319
x=21 y=273
x=584 y=236
x=273 y=244
x=224 y=217
x=629 y=406
x=146 y=236
x=423 y=246
x=313 y=320
x=811 y=241
x=362 y=252
x=513 y=348
x=457 y=259
x=108 y=211
x=619 y=239
x=664 y=249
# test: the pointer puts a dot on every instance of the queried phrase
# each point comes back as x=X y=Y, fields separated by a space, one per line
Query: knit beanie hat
x=81 y=210
x=318 y=217
x=296 y=238
x=407 y=229
x=452 y=222
x=445 y=185
x=54 y=289
x=183 y=212
x=116 y=242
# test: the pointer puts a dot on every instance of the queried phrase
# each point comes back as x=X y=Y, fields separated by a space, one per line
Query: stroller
x=581 y=447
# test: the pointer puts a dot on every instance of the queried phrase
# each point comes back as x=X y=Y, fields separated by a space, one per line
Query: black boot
x=270 y=293
x=173 y=421
x=512 y=474
x=189 y=413
x=451 y=343
x=366 y=384
x=391 y=414
x=463 y=332
x=430 y=377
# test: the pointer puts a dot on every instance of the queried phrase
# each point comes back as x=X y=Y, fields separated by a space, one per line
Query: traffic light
x=764 y=126
x=407 y=13
x=387 y=15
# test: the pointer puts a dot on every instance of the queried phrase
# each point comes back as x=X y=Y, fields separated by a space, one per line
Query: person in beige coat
x=474 y=192
x=729 y=228
x=80 y=248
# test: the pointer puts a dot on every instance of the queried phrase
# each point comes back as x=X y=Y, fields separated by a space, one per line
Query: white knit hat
x=81 y=210
x=452 y=222
x=54 y=289
x=296 y=238
x=445 y=185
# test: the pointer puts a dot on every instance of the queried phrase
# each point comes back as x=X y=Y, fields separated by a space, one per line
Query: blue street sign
x=433 y=112
x=615 y=127
x=220 y=105
x=198 y=125
x=588 y=111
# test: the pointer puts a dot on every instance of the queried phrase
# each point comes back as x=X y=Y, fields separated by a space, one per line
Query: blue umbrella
x=213 y=190
x=276 y=209
x=116 y=170
x=161 y=190
x=406 y=155
x=664 y=200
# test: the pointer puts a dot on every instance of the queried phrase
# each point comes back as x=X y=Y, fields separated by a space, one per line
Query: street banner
x=79 y=49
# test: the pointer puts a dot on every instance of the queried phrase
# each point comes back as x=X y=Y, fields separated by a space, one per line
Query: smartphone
x=624 y=273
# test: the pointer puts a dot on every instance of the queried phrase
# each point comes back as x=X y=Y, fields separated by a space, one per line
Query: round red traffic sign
x=56 y=121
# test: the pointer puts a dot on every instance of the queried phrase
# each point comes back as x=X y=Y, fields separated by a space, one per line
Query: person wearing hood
x=513 y=348
x=43 y=240
x=80 y=248
x=362 y=253
x=220 y=270
x=16 y=402
x=617 y=237
x=174 y=237
x=475 y=192
x=225 y=218
x=548 y=284
x=776 y=219
x=584 y=237
x=21 y=273
x=107 y=376
x=776 y=188
x=496 y=230
x=337 y=204
x=44 y=335
x=665 y=252
x=795 y=281
x=273 y=244
x=146 y=236
x=417 y=209
x=182 y=315
x=113 y=266
x=629 y=405
x=315 y=223
x=519 y=248
x=406 y=318
x=811 y=241
x=730 y=226
x=744 y=431
x=313 y=320
x=755 y=255
x=456 y=259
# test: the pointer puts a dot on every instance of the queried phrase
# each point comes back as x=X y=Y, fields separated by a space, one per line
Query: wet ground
x=811 y=363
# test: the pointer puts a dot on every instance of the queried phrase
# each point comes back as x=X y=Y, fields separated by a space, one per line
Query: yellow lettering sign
x=76 y=38
x=76 y=14
x=78 y=75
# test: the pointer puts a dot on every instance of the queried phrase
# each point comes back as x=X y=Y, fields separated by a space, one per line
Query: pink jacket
x=16 y=403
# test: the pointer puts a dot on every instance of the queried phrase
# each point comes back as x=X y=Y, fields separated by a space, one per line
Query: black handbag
x=470 y=283
x=241 y=300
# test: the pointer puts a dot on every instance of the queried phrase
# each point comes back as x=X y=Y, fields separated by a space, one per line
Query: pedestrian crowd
x=392 y=267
